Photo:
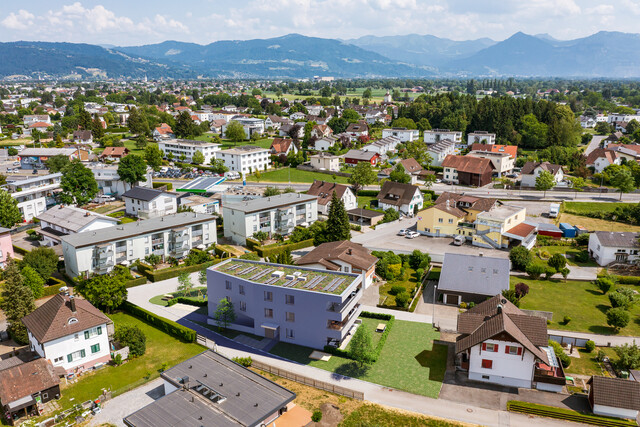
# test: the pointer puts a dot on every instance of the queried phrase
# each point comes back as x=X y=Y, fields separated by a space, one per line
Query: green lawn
x=295 y=175
x=409 y=360
x=570 y=251
x=161 y=348
x=133 y=149
x=582 y=208
x=365 y=201
x=582 y=301
x=587 y=364
x=409 y=285
x=193 y=294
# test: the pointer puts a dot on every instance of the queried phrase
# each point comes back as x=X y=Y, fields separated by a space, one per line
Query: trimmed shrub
x=562 y=356
x=160 y=184
x=243 y=361
x=549 y=272
x=316 y=416
x=604 y=284
x=135 y=282
x=463 y=305
x=535 y=271
x=589 y=346
x=264 y=252
x=402 y=299
x=618 y=299
x=189 y=301
x=397 y=289
x=172 y=328
x=566 y=320
x=132 y=337
x=520 y=258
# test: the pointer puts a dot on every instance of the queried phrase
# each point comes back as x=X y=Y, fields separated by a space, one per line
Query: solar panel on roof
x=326 y=288
x=337 y=284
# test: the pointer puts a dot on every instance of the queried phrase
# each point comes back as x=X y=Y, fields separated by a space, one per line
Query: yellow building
x=440 y=220
x=502 y=226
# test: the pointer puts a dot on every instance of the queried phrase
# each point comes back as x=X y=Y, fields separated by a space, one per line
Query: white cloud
x=20 y=21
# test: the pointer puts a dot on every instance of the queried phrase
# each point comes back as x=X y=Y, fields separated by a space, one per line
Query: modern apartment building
x=148 y=203
x=188 y=147
x=250 y=125
x=63 y=220
x=109 y=182
x=481 y=137
x=35 y=195
x=245 y=159
x=435 y=135
x=305 y=306
x=273 y=215
x=168 y=236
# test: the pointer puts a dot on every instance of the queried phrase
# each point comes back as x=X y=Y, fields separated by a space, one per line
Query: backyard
x=587 y=364
x=161 y=349
x=295 y=175
x=388 y=299
x=409 y=360
x=592 y=224
x=569 y=251
x=365 y=201
x=582 y=301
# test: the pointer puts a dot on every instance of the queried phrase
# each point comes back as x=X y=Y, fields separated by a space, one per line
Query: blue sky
x=135 y=22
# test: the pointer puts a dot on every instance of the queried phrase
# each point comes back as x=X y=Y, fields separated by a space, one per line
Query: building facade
x=606 y=247
x=35 y=195
x=188 y=148
x=403 y=134
x=109 y=182
x=149 y=202
x=64 y=220
x=245 y=159
x=6 y=246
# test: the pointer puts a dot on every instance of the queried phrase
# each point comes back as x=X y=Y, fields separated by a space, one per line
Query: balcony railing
x=338 y=307
x=158 y=241
x=338 y=326
x=105 y=254
x=196 y=233
x=158 y=251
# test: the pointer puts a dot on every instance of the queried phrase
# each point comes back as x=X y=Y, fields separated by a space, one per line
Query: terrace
x=288 y=276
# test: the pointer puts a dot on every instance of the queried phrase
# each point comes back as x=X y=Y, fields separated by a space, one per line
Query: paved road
x=594 y=143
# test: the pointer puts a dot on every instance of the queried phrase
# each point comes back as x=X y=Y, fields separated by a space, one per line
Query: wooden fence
x=343 y=391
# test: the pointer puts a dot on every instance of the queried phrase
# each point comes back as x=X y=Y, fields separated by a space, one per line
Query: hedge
x=625 y=280
x=252 y=244
x=368 y=193
x=161 y=184
x=172 y=328
x=136 y=282
x=19 y=250
x=168 y=273
x=267 y=252
x=188 y=301
x=565 y=414
x=51 y=290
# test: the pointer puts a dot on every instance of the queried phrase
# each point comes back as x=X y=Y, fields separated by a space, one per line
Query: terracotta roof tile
x=26 y=379
x=467 y=164
x=348 y=252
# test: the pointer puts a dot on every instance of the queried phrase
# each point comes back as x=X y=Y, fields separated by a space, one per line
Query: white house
x=481 y=137
x=167 y=236
x=501 y=344
x=600 y=158
x=70 y=332
x=31 y=119
x=440 y=150
x=614 y=397
x=63 y=220
x=324 y=143
x=324 y=192
x=404 y=198
x=502 y=162
x=35 y=195
x=149 y=202
x=188 y=148
x=273 y=215
x=403 y=134
x=531 y=171
x=606 y=247
x=383 y=146
x=325 y=161
x=109 y=182
x=434 y=135
x=245 y=159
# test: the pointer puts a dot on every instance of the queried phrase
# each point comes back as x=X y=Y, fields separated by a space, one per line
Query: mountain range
x=603 y=54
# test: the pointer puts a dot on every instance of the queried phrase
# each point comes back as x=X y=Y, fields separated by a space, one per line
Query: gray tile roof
x=72 y=218
x=622 y=240
x=143 y=193
x=271 y=202
x=48 y=152
x=474 y=274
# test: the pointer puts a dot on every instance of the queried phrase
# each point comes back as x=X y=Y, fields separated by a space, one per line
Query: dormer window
x=72 y=320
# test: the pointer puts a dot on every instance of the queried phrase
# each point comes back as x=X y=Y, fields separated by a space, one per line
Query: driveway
x=444 y=316
x=116 y=409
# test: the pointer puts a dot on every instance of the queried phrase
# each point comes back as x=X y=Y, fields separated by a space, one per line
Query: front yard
x=409 y=360
x=582 y=301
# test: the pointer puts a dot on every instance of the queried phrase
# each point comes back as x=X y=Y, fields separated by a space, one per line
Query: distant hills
x=604 y=54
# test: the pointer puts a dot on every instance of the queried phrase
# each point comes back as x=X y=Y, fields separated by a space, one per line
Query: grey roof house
x=471 y=278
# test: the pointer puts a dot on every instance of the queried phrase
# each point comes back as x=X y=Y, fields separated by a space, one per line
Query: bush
x=161 y=184
x=472 y=304
x=172 y=328
x=316 y=416
x=252 y=256
x=566 y=320
x=557 y=262
x=402 y=299
x=618 y=317
x=397 y=289
x=520 y=258
x=463 y=305
x=564 y=358
x=604 y=284
x=589 y=346
x=243 y=361
x=582 y=239
x=582 y=256
x=618 y=299
x=535 y=271
x=132 y=337
x=549 y=272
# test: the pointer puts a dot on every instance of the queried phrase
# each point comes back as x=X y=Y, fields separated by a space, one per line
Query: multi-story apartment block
x=249 y=124
x=403 y=134
x=273 y=215
x=149 y=202
x=305 y=306
x=109 y=181
x=168 y=236
x=188 y=148
x=440 y=150
x=502 y=162
x=35 y=195
x=63 y=220
x=245 y=159
x=435 y=135
x=481 y=137
x=6 y=246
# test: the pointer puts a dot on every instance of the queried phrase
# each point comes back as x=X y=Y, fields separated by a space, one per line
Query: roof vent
x=499 y=308
x=480 y=254
x=221 y=384
x=72 y=303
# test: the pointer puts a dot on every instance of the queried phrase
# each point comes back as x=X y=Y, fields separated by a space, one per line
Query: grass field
x=408 y=284
x=587 y=364
x=161 y=348
x=581 y=208
x=409 y=360
x=569 y=251
x=131 y=145
x=593 y=224
x=365 y=201
x=193 y=295
x=583 y=302
x=295 y=175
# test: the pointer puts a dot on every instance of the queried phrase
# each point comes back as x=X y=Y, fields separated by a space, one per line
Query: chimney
x=349 y=251
x=72 y=304
x=499 y=308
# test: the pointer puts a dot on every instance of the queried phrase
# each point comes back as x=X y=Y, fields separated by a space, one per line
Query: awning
x=270 y=326
x=23 y=402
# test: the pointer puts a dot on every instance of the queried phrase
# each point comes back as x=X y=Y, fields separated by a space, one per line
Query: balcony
x=159 y=252
x=339 y=326
x=196 y=233
x=179 y=238
x=105 y=254
x=339 y=307
x=158 y=241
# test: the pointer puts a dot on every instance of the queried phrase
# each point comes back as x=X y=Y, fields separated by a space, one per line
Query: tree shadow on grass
x=603 y=308
x=595 y=292
x=603 y=330
x=351 y=369
x=434 y=359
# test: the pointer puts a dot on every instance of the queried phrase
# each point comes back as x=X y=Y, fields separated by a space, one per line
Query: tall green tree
x=623 y=181
x=235 y=131
x=224 y=314
x=17 y=302
x=107 y=291
x=153 y=156
x=362 y=175
x=96 y=128
x=198 y=158
x=361 y=349
x=84 y=119
x=43 y=260
x=185 y=126
x=338 y=227
x=9 y=212
x=137 y=122
x=78 y=184
x=33 y=280
x=534 y=133
x=398 y=174
x=185 y=285
x=418 y=151
x=545 y=181
x=57 y=163
x=132 y=169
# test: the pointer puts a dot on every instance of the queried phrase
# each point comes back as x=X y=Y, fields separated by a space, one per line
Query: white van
x=458 y=240
x=232 y=175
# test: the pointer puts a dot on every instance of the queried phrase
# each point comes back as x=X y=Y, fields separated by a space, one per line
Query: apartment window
x=58 y=359
x=450 y=220
x=243 y=306
x=93 y=332
x=241 y=289
x=268 y=296
x=227 y=284
x=487 y=364
x=440 y=220
x=511 y=349
x=76 y=337
x=268 y=313
x=146 y=251
x=95 y=348
x=490 y=347
x=291 y=317
x=76 y=355
x=289 y=333
x=288 y=299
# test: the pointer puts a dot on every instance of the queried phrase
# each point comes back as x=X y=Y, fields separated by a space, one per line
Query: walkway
x=116 y=409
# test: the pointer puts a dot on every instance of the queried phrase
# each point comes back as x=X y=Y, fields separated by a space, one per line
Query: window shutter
x=99 y=330
x=506 y=349
x=82 y=353
x=484 y=346
x=69 y=358
x=86 y=335
x=519 y=351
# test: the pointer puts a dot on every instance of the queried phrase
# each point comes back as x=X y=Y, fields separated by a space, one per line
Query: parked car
x=402 y=232
x=16 y=163
x=412 y=235
x=104 y=199
x=458 y=240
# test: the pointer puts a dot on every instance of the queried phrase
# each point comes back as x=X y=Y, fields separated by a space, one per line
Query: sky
x=136 y=22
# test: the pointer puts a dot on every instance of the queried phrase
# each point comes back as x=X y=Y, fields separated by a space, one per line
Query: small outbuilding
x=568 y=230
x=551 y=230
x=614 y=397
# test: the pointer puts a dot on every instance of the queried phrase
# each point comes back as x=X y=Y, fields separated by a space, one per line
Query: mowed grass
x=570 y=251
x=409 y=360
x=295 y=175
x=582 y=208
x=409 y=285
x=583 y=302
x=587 y=364
x=365 y=201
x=594 y=224
x=133 y=148
x=161 y=348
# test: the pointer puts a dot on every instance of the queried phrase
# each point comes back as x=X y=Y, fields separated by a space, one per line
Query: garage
x=451 y=299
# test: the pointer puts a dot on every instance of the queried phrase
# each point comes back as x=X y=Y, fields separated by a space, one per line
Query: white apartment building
x=168 y=236
x=69 y=332
x=481 y=137
x=245 y=159
x=63 y=220
x=148 y=203
x=251 y=125
x=35 y=195
x=502 y=163
x=324 y=143
x=273 y=215
x=440 y=150
x=189 y=147
x=435 y=135
x=325 y=161
x=109 y=182
x=403 y=134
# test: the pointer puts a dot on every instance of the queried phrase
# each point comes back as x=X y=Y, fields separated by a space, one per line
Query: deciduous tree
x=361 y=349
x=224 y=314
x=17 y=302
x=362 y=175
x=235 y=131
x=106 y=292
x=43 y=260
x=132 y=169
x=545 y=181
x=78 y=184
x=153 y=155
x=9 y=212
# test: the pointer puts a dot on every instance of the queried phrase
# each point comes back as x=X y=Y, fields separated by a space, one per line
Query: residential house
x=274 y=122
x=411 y=167
x=30 y=119
x=64 y=220
x=299 y=115
x=440 y=150
x=114 y=153
x=467 y=170
x=344 y=256
x=250 y=125
x=403 y=134
x=383 y=146
x=168 y=236
x=163 y=132
x=606 y=247
x=34 y=195
x=83 y=137
x=357 y=130
x=404 y=198
x=273 y=215
x=501 y=344
x=630 y=152
x=188 y=148
x=321 y=131
x=146 y=203
x=298 y=305
x=435 y=135
x=481 y=137
x=325 y=143
x=26 y=387
x=503 y=227
x=472 y=278
x=511 y=150
x=215 y=126
x=245 y=159
x=600 y=158
x=614 y=138
x=211 y=390
x=531 y=170
x=325 y=161
x=293 y=130
x=70 y=333
x=283 y=146
x=324 y=192
x=6 y=246
x=200 y=204
x=39 y=126
x=353 y=157
x=502 y=162
x=35 y=158
x=109 y=182
x=614 y=397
